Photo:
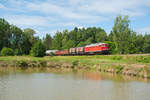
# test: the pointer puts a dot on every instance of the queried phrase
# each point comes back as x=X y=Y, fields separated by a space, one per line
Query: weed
x=43 y=63
x=143 y=59
x=118 y=69
x=117 y=58
x=21 y=63
x=147 y=70
x=75 y=63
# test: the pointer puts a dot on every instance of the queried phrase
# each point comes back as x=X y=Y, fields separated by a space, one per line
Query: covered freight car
x=72 y=51
x=62 y=52
x=80 y=50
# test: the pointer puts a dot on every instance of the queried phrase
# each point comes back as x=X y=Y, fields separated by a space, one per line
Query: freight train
x=97 y=48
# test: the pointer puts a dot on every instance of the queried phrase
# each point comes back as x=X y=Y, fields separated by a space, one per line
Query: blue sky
x=48 y=16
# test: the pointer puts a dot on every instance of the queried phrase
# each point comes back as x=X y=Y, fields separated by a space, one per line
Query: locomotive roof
x=95 y=44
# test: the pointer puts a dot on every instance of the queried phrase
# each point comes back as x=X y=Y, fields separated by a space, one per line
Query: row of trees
x=122 y=40
x=78 y=37
x=127 y=41
x=20 y=41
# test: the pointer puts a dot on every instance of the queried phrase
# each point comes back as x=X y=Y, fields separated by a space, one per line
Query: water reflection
x=72 y=86
x=93 y=76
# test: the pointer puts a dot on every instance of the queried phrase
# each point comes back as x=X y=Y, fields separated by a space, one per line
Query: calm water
x=72 y=86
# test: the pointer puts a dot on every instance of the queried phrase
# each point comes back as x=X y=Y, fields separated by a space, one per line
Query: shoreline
x=131 y=65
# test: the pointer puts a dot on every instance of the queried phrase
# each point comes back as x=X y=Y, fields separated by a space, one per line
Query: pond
x=72 y=86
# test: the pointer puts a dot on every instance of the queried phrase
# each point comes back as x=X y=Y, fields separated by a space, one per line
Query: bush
x=38 y=49
x=143 y=59
x=7 y=52
x=75 y=63
x=21 y=63
x=43 y=63
x=117 y=58
x=17 y=52
x=118 y=69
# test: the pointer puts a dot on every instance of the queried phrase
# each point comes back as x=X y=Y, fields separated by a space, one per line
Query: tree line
x=15 y=40
x=122 y=39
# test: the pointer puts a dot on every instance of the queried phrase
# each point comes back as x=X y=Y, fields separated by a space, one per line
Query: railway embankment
x=132 y=65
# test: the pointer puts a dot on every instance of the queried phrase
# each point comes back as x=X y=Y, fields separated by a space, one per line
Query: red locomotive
x=97 y=48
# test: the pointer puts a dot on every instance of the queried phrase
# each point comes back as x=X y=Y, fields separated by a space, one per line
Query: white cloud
x=143 y=30
x=89 y=11
x=76 y=2
x=70 y=13
x=146 y=2
x=17 y=2
x=130 y=7
x=28 y=21
x=85 y=11
x=23 y=20
x=2 y=6
x=44 y=7
x=62 y=12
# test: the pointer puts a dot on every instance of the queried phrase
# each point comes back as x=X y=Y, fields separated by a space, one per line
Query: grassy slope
x=96 y=59
x=135 y=64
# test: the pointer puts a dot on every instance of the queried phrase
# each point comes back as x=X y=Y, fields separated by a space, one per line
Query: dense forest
x=122 y=39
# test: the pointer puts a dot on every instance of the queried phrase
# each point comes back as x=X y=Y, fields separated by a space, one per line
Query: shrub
x=143 y=59
x=75 y=63
x=7 y=52
x=21 y=63
x=17 y=52
x=38 y=49
x=118 y=69
x=43 y=63
x=117 y=58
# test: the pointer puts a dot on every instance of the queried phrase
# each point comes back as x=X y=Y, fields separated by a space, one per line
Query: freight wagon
x=80 y=50
x=72 y=51
x=62 y=52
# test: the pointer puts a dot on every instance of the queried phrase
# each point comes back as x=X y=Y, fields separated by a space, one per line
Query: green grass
x=96 y=59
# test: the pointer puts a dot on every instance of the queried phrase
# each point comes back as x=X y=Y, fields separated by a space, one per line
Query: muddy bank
x=48 y=66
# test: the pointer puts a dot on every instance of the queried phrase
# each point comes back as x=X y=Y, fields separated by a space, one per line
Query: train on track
x=97 y=48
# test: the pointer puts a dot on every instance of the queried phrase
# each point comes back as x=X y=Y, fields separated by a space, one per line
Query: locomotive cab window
x=103 y=45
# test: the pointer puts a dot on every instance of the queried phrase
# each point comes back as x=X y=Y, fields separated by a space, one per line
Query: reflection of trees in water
x=93 y=76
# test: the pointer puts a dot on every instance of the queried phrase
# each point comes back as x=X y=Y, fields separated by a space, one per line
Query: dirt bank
x=115 y=65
